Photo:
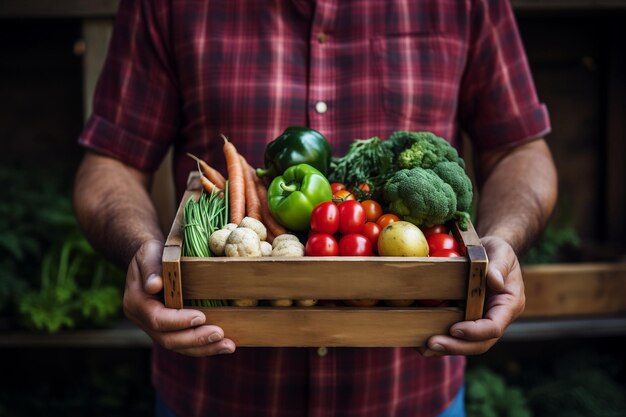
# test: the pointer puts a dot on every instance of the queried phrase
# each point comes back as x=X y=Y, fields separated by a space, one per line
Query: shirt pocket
x=420 y=74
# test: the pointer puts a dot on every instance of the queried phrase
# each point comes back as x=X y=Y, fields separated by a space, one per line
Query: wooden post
x=172 y=282
x=477 y=277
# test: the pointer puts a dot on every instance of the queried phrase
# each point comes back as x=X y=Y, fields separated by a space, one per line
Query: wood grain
x=172 y=285
x=357 y=327
x=325 y=278
x=575 y=289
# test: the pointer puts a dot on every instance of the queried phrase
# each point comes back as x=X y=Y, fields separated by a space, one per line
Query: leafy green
x=579 y=384
x=35 y=211
x=487 y=395
x=367 y=161
x=71 y=291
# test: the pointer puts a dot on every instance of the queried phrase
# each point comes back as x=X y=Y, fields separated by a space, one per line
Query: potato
x=402 y=239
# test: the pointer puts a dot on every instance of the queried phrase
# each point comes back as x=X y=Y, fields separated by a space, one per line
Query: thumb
x=148 y=259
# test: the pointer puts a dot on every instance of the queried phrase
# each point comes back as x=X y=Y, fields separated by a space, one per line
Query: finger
x=224 y=346
x=158 y=318
x=479 y=330
x=200 y=336
x=495 y=279
x=149 y=259
x=439 y=345
x=153 y=284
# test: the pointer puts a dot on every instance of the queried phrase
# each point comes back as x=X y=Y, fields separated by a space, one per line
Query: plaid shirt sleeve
x=498 y=104
x=136 y=114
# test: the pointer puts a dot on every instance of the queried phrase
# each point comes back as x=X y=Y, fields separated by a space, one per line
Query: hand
x=183 y=331
x=504 y=302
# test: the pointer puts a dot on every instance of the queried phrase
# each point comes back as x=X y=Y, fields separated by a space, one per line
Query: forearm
x=518 y=194
x=113 y=208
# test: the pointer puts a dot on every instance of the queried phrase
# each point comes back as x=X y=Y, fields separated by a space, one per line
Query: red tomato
x=365 y=187
x=363 y=191
x=325 y=218
x=438 y=228
x=446 y=253
x=439 y=241
x=343 y=195
x=321 y=244
x=385 y=219
x=371 y=231
x=373 y=210
x=336 y=186
x=355 y=245
x=351 y=217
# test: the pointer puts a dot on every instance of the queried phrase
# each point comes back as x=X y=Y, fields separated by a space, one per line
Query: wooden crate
x=327 y=278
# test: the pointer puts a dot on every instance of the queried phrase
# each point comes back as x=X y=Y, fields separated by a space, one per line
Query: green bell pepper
x=297 y=145
x=293 y=196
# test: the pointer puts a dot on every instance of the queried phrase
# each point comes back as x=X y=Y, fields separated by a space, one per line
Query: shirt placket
x=321 y=106
x=322 y=382
x=321 y=111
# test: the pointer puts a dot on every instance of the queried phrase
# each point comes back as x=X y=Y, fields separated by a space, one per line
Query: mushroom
x=243 y=242
x=256 y=225
x=217 y=241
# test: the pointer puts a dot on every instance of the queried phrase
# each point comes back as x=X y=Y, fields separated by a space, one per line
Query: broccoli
x=431 y=186
x=452 y=174
x=426 y=151
x=420 y=197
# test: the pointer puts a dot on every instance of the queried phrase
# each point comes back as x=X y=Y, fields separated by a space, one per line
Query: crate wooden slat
x=324 y=278
x=318 y=326
x=327 y=278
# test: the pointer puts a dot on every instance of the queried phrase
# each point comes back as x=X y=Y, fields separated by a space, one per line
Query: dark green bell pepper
x=293 y=196
x=297 y=145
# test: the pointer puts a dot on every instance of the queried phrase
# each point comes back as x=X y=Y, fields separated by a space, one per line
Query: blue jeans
x=456 y=409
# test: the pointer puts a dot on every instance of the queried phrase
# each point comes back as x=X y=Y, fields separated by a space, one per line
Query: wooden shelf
x=123 y=335
x=580 y=327
x=567 y=290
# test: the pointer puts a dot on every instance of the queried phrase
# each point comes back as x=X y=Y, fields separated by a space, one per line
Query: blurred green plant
x=559 y=234
x=35 y=211
x=49 y=273
x=71 y=291
x=487 y=395
x=579 y=384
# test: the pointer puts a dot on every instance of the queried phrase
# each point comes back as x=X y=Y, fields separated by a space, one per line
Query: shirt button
x=321 y=107
x=321 y=38
x=321 y=352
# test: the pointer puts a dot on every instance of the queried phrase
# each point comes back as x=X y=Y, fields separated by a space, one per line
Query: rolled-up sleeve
x=498 y=104
x=136 y=104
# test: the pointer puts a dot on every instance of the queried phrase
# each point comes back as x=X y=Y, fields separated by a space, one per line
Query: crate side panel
x=313 y=327
x=383 y=278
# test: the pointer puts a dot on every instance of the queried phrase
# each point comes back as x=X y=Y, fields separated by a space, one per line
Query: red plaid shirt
x=182 y=72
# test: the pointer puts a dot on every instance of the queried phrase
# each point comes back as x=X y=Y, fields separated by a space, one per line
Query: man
x=183 y=72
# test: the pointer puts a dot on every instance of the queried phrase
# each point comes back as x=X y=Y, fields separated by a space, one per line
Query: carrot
x=236 y=182
x=211 y=173
x=270 y=237
x=207 y=184
x=273 y=228
x=253 y=204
